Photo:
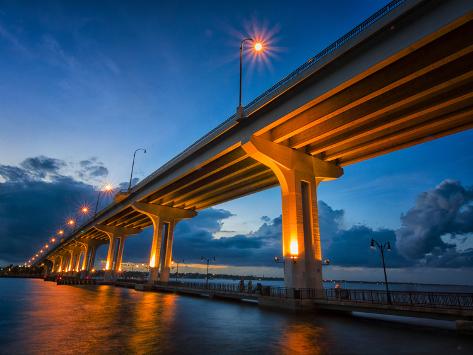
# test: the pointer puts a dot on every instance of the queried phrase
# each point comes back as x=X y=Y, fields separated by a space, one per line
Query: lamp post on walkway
x=208 y=260
x=174 y=261
x=382 y=247
x=257 y=47
x=133 y=165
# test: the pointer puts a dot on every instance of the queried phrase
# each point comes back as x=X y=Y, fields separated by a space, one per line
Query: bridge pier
x=164 y=219
x=299 y=175
x=117 y=237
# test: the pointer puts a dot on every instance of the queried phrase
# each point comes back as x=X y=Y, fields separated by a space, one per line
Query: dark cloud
x=42 y=166
x=92 y=169
x=34 y=200
x=31 y=169
x=195 y=238
x=440 y=220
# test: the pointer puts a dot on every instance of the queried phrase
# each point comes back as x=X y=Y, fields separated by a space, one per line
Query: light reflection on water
x=39 y=317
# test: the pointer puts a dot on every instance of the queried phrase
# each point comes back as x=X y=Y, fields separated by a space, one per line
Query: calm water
x=38 y=317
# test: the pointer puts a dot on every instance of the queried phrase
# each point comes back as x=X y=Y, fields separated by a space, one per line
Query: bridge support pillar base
x=153 y=275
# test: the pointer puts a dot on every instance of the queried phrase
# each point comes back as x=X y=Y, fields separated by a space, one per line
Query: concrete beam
x=164 y=212
x=117 y=231
x=279 y=157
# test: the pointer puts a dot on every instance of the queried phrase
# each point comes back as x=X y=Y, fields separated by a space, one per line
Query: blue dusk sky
x=85 y=83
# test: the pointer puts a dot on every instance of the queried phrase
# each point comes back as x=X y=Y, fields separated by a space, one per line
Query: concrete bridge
x=402 y=77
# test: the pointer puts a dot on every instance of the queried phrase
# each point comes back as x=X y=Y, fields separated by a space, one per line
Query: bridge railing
x=216 y=287
x=399 y=298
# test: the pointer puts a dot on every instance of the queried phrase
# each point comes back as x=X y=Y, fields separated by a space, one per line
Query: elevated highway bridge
x=402 y=77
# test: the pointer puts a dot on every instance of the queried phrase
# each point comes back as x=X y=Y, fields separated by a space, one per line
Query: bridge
x=402 y=77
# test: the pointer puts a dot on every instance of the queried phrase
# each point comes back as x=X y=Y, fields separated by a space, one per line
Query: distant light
x=71 y=222
x=108 y=188
x=258 y=46
x=46 y=246
x=85 y=209
x=60 y=232
x=53 y=240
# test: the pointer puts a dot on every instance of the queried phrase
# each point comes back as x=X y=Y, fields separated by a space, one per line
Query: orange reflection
x=302 y=339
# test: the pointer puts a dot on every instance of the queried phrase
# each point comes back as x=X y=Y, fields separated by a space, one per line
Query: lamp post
x=382 y=247
x=207 y=275
x=106 y=188
x=174 y=261
x=133 y=165
x=258 y=47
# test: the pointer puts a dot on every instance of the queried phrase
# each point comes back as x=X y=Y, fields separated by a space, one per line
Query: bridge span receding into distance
x=402 y=77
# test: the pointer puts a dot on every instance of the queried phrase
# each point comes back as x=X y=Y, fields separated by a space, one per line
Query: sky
x=83 y=84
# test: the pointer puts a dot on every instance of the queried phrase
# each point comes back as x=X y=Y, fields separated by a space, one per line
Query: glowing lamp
x=108 y=188
x=53 y=240
x=258 y=46
x=84 y=209
x=294 y=248
x=60 y=232
x=71 y=222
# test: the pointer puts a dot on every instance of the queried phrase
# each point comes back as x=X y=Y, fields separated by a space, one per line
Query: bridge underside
x=422 y=93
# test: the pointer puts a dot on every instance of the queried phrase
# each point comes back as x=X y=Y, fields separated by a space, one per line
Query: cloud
x=35 y=199
x=446 y=211
x=196 y=237
x=92 y=169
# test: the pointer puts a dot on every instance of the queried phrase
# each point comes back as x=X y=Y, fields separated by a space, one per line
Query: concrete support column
x=164 y=218
x=167 y=252
x=84 y=260
x=117 y=236
x=70 y=266
x=298 y=175
x=78 y=253
x=91 y=257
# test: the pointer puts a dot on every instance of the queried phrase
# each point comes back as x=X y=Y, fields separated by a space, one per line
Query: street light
x=208 y=262
x=133 y=165
x=174 y=261
x=258 y=48
x=106 y=189
x=382 y=247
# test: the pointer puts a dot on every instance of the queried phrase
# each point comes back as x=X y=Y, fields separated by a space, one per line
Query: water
x=38 y=317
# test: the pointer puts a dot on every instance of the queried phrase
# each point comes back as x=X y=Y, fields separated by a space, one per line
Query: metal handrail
x=451 y=300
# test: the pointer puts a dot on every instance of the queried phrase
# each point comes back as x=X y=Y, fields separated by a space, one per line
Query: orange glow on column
x=294 y=248
x=107 y=266
x=152 y=261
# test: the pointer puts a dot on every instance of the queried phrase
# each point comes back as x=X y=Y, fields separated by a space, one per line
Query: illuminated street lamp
x=208 y=260
x=85 y=210
x=53 y=240
x=71 y=223
x=133 y=165
x=258 y=48
x=106 y=189
x=60 y=232
x=382 y=247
